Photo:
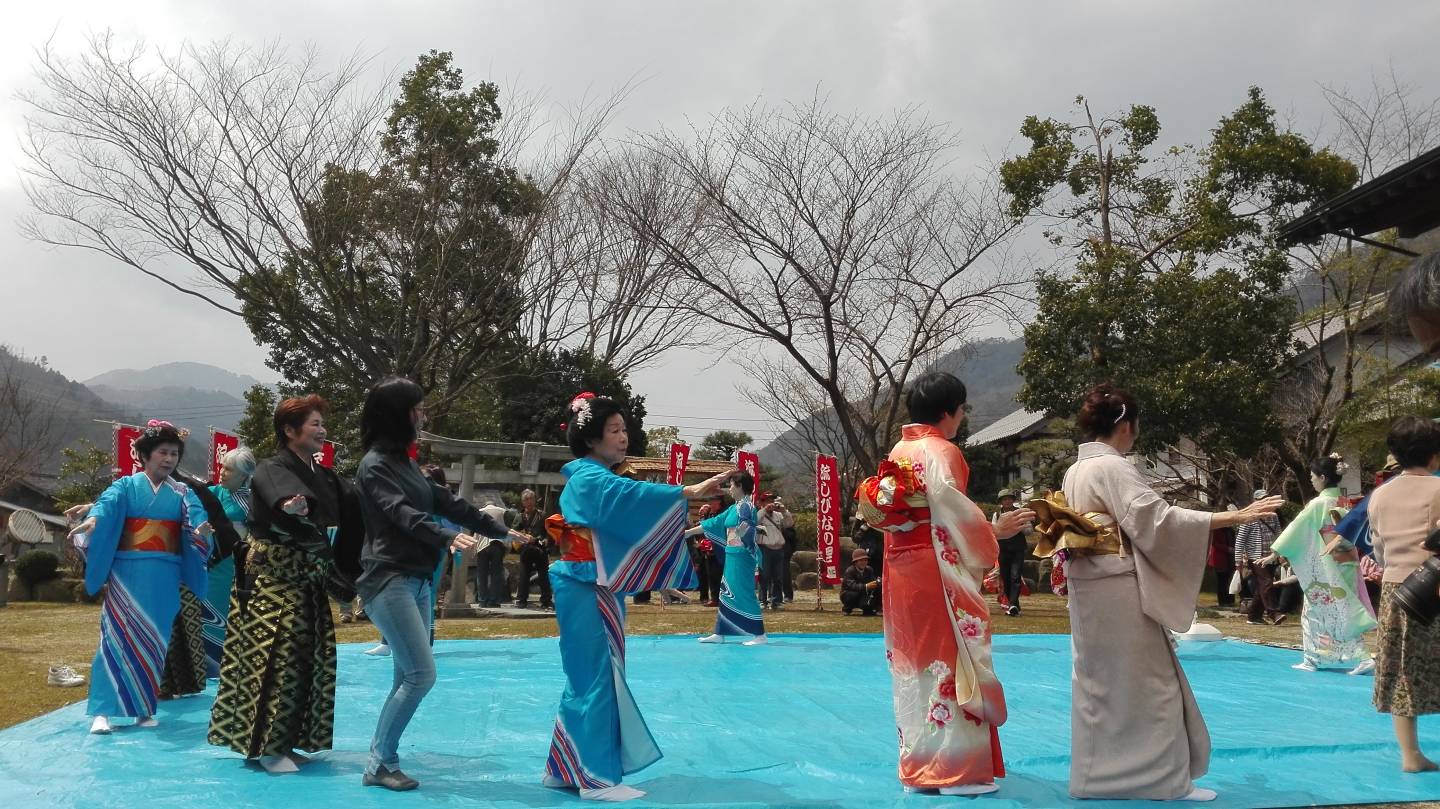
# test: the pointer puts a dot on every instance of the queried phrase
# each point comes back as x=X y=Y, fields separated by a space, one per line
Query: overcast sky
x=980 y=66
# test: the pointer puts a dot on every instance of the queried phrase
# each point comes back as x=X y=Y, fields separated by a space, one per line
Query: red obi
x=574 y=541
x=150 y=535
x=893 y=496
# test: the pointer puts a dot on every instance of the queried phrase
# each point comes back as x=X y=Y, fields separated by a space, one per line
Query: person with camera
x=860 y=589
x=1403 y=513
x=774 y=518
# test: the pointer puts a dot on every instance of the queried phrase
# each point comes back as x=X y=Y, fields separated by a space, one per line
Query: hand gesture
x=297 y=506
x=871 y=585
x=205 y=529
x=1011 y=523
x=463 y=542
x=1260 y=508
x=83 y=528
x=74 y=513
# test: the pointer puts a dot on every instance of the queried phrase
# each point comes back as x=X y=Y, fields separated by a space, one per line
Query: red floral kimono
x=948 y=701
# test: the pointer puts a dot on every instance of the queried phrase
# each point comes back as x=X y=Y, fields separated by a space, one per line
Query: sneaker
x=1253 y=622
x=346 y=618
x=1012 y=610
x=1280 y=619
x=63 y=677
x=390 y=779
x=380 y=650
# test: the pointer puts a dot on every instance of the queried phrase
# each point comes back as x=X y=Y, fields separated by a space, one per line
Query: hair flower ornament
x=580 y=407
x=154 y=426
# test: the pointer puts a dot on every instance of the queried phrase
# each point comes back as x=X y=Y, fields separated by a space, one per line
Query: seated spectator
x=861 y=586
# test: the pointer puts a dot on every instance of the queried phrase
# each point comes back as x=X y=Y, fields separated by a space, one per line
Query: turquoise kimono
x=142 y=584
x=221 y=580
x=638 y=535
x=1333 y=618
x=734 y=530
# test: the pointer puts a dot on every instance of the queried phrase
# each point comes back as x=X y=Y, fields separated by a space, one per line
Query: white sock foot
x=758 y=640
x=552 y=782
x=713 y=639
x=146 y=722
x=616 y=794
x=1365 y=667
x=1305 y=665
x=970 y=789
x=380 y=650
x=1200 y=795
x=278 y=764
x=100 y=726
x=298 y=759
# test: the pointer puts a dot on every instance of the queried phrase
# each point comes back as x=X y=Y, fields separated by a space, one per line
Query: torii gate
x=529 y=474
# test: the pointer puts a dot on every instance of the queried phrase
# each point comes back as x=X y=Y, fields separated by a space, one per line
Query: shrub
x=34 y=567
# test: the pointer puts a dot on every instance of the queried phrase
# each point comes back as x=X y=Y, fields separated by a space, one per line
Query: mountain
x=987 y=368
x=178 y=375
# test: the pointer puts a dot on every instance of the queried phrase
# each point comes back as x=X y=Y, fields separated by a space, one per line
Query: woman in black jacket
x=403 y=544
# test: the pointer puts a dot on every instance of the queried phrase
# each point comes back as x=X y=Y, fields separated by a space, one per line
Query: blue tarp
x=803 y=722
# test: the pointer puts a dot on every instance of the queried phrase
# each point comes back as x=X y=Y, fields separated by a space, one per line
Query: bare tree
x=599 y=285
x=357 y=233
x=29 y=418
x=838 y=243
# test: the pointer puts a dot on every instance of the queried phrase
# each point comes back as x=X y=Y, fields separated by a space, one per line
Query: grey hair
x=1417 y=291
x=241 y=460
x=530 y=492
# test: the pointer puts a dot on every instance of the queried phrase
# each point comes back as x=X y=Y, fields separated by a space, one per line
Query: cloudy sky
x=980 y=66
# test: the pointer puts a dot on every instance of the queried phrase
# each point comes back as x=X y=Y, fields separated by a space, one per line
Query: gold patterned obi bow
x=1059 y=527
x=150 y=535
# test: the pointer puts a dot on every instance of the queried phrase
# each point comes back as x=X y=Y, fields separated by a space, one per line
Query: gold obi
x=1058 y=527
x=150 y=535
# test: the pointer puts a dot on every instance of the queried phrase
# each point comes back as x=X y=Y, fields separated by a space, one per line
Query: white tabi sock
x=616 y=794
x=970 y=789
x=713 y=639
x=1200 y=794
x=278 y=764
x=100 y=726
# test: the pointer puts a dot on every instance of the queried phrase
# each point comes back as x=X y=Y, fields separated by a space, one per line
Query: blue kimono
x=637 y=531
x=734 y=530
x=143 y=547
x=222 y=579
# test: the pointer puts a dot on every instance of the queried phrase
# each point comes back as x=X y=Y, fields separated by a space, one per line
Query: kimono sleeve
x=1170 y=544
x=109 y=512
x=1295 y=541
x=604 y=498
x=714 y=527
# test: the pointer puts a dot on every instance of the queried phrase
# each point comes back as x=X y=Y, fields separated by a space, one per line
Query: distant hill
x=177 y=375
x=177 y=392
x=987 y=367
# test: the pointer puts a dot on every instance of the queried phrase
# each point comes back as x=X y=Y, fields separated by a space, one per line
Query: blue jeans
x=402 y=611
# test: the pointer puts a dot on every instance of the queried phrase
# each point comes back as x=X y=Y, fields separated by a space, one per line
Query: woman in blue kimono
x=617 y=537
x=734 y=531
x=144 y=537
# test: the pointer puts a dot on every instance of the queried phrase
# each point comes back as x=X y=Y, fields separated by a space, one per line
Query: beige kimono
x=1135 y=729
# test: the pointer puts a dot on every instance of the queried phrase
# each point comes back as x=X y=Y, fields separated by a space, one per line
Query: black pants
x=1223 y=575
x=490 y=585
x=1012 y=567
x=867 y=602
x=534 y=559
x=772 y=578
x=788 y=580
x=709 y=582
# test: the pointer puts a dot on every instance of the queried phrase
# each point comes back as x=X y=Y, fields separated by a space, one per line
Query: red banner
x=827 y=517
x=326 y=456
x=127 y=460
x=679 y=459
x=750 y=462
x=221 y=444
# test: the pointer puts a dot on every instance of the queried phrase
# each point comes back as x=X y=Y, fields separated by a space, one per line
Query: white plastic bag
x=1235 y=584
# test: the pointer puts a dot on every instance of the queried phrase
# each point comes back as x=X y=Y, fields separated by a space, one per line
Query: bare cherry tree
x=29 y=418
x=838 y=244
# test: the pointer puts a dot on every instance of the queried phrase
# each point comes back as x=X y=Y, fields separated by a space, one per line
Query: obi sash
x=575 y=542
x=141 y=534
x=1060 y=528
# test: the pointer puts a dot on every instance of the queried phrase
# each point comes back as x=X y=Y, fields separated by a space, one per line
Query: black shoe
x=390 y=779
x=1012 y=610
x=521 y=605
x=869 y=612
x=847 y=612
x=544 y=606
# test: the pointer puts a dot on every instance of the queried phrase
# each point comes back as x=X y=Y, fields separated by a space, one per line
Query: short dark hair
x=746 y=481
x=1413 y=441
x=293 y=413
x=933 y=396
x=579 y=436
x=385 y=417
x=1104 y=409
x=154 y=437
x=1328 y=469
x=1416 y=292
